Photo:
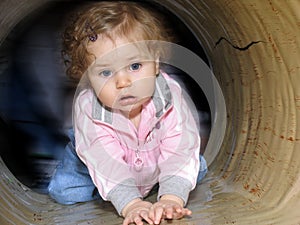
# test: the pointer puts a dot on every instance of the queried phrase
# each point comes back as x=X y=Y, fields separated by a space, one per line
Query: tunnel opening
x=36 y=109
x=255 y=176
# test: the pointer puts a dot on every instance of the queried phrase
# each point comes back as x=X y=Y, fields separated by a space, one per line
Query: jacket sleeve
x=180 y=149
x=98 y=148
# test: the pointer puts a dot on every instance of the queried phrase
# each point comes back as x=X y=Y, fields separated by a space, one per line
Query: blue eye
x=135 y=66
x=106 y=73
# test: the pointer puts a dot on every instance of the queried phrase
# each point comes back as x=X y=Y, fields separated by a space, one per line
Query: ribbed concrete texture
x=254 y=178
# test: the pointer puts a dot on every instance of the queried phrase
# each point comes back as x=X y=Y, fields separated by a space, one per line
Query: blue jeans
x=72 y=183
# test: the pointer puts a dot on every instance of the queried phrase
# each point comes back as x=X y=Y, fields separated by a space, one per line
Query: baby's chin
x=131 y=111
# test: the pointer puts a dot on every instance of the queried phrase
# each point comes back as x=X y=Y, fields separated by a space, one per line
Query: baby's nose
x=123 y=79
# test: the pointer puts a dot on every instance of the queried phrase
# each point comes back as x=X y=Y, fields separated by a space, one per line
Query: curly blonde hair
x=111 y=19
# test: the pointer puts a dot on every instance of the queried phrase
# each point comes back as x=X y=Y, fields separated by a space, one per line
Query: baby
x=133 y=128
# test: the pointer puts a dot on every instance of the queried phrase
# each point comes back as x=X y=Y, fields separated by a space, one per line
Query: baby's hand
x=136 y=211
x=168 y=207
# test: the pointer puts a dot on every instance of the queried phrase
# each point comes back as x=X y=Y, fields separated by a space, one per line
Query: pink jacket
x=166 y=145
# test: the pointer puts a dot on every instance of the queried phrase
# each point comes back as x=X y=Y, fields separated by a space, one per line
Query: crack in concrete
x=235 y=46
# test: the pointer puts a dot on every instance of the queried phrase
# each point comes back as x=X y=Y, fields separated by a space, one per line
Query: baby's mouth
x=127 y=100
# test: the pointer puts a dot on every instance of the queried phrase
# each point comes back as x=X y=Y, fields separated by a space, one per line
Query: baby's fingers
x=127 y=221
x=170 y=212
x=156 y=214
x=186 y=212
x=177 y=212
x=145 y=216
x=136 y=218
x=130 y=220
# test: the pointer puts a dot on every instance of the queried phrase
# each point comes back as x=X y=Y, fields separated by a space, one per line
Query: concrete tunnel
x=254 y=170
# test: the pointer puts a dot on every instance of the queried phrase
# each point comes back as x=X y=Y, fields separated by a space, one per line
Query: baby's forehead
x=126 y=53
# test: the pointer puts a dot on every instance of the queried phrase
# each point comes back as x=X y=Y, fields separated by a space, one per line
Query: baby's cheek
x=106 y=95
x=145 y=86
x=99 y=85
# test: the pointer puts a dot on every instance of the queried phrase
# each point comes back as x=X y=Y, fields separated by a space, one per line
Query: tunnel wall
x=253 y=48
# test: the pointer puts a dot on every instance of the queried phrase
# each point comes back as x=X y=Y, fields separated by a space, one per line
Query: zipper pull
x=138 y=161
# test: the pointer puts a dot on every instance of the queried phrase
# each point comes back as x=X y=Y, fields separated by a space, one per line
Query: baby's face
x=123 y=74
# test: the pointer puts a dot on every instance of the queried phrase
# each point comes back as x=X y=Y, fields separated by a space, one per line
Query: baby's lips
x=127 y=100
